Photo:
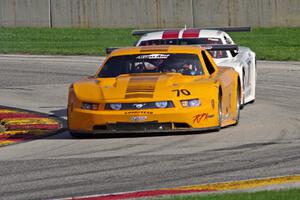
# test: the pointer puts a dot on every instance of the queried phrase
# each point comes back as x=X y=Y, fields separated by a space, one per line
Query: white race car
x=243 y=60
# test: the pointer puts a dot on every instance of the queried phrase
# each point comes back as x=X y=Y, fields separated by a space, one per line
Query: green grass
x=62 y=40
x=292 y=194
x=272 y=43
x=268 y=43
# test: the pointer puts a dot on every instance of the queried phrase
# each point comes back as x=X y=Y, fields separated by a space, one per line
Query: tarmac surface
x=264 y=144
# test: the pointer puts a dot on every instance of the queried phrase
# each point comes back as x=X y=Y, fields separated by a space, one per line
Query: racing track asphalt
x=265 y=143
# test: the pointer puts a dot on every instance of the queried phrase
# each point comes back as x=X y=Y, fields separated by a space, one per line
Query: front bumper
x=142 y=121
x=181 y=130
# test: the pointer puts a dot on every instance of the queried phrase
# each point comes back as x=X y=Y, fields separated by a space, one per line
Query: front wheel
x=80 y=135
x=219 y=113
x=238 y=106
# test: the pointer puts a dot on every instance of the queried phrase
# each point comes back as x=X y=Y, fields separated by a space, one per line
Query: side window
x=151 y=42
x=228 y=40
x=208 y=64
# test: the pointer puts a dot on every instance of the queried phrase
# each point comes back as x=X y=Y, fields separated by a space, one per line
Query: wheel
x=238 y=105
x=242 y=103
x=219 y=112
x=251 y=102
x=80 y=135
x=242 y=100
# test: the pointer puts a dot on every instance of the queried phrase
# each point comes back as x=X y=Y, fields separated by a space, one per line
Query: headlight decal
x=89 y=106
x=190 y=103
x=161 y=104
x=115 y=106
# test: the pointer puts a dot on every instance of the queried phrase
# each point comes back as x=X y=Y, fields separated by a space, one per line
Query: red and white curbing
x=194 y=189
x=18 y=125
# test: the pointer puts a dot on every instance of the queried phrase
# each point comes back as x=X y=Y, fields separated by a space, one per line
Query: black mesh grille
x=139 y=126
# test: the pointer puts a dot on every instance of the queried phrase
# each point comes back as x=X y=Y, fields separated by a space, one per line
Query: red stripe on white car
x=170 y=34
x=191 y=33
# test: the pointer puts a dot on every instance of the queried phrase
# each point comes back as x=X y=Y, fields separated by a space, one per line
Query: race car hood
x=136 y=86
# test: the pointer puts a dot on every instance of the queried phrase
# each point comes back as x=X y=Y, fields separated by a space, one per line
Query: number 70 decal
x=184 y=92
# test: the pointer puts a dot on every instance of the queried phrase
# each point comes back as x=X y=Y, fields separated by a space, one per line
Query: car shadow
x=144 y=135
x=60 y=113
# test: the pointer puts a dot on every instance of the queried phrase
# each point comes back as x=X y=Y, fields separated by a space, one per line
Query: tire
x=219 y=112
x=80 y=135
x=251 y=102
x=242 y=103
x=238 y=105
x=242 y=100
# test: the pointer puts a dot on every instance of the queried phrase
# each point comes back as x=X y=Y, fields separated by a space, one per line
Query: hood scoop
x=141 y=87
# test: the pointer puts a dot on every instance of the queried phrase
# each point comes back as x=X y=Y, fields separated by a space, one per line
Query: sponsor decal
x=207 y=47
x=138 y=118
x=138 y=113
x=139 y=105
x=213 y=39
x=153 y=56
x=200 y=117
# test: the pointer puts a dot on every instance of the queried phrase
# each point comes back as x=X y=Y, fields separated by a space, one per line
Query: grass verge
x=291 y=194
x=272 y=43
x=65 y=41
x=268 y=43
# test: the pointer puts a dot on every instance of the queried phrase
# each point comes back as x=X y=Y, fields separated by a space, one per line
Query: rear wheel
x=252 y=101
x=238 y=105
x=255 y=68
x=242 y=99
x=219 y=112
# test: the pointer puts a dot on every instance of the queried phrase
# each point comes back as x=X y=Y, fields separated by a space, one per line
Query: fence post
x=50 y=13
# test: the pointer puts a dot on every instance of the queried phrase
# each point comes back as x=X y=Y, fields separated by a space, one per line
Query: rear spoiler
x=215 y=47
x=226 y=29
x=220 y=47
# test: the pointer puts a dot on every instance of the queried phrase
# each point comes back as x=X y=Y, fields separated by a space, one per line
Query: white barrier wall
x=121 y=13
x=149 y=13
x=22 y=13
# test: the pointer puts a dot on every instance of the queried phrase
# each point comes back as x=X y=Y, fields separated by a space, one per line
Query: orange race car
x=155 y=89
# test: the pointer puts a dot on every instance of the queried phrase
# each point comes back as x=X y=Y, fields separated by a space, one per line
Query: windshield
x=186 y=64
x=189 y=41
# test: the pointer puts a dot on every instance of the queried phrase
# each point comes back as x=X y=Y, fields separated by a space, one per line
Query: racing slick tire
x=242 y=100
x=251 y=102
x=238 y=105
x=219 y=112
x=81 y=135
